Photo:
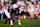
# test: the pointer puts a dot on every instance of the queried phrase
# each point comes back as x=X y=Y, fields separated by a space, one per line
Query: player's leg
x=6 y=20
x=13 y=17
x=11 y=22
x=19 y=20
x=9 y=18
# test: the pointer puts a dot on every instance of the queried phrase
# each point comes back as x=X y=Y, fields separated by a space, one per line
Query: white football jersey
x=6 y=12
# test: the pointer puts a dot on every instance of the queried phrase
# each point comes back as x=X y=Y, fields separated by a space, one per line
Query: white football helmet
x=15 y=6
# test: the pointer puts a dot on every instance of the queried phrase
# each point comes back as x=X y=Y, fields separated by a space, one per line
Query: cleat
x=20 y=24
x=4 y=22
x=11 y=24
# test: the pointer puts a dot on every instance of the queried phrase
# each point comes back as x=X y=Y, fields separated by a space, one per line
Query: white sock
x=11 y=23
x=19 y=22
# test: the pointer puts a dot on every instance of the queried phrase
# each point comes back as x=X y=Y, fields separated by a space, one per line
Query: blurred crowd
x=31 y=7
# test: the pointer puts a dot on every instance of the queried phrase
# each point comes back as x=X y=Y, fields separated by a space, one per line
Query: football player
x=15 y=13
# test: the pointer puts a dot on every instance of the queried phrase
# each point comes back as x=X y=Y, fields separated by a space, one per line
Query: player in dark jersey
x=15 y=13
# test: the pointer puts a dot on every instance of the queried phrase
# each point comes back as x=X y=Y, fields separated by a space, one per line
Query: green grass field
x=25 y=23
